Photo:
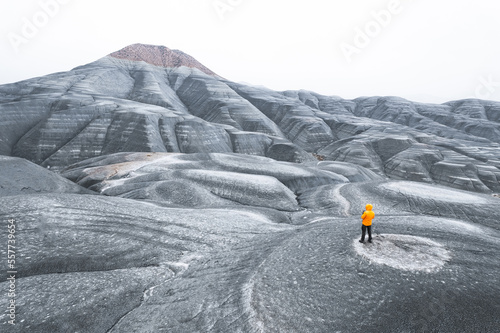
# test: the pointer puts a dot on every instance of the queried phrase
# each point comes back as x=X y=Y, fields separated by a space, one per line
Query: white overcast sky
x=425 y=50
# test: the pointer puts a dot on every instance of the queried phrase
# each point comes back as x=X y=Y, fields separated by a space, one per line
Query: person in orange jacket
x=367 y=217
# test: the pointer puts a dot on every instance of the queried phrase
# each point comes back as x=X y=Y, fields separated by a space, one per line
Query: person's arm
x=364 y=215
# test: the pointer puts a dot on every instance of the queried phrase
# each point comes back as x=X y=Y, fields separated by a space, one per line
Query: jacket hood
x=369 y=207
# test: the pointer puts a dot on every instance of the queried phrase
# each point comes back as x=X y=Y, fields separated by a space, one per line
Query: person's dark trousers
x=363 y=232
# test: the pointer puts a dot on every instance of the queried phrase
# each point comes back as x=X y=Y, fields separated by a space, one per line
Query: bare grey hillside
x=152 y=99
x=150 y=194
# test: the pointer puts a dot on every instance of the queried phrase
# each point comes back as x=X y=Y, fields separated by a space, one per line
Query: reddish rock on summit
x=159 y=56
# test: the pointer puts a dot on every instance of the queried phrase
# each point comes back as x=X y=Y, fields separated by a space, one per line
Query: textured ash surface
x=124 y=103
x=19 y=176
x=168 y=199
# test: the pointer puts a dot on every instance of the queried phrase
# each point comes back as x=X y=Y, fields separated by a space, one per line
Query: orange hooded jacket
x=368 y=215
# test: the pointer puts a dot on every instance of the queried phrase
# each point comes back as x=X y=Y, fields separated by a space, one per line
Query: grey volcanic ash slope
x=153 y=99
x=164 y=198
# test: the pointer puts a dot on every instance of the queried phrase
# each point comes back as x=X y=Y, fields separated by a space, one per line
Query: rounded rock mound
x=405 y=252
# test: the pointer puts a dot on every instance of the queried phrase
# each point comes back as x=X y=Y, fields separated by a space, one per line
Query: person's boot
x=361 y=241
x=369 y=241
